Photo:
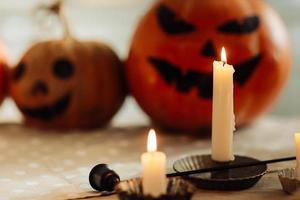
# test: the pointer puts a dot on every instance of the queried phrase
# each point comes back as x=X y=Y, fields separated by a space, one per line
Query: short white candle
x=222 y=115
x=297 y=142
x=154 y=168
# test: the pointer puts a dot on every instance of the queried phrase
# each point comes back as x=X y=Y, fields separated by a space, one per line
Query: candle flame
x=223 y=55
x=151 y=144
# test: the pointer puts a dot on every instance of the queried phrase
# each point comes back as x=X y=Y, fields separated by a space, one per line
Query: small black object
x=236 y=178
x=177 y=189
x=102 y=178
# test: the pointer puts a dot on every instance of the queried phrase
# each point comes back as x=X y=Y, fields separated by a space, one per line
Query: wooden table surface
x=50 y=165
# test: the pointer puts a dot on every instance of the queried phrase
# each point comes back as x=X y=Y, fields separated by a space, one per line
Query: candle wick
x=224 y=63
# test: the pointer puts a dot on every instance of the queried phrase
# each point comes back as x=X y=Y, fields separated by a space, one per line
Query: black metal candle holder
x=177 y=189
x=237 y=178
x=240 y=174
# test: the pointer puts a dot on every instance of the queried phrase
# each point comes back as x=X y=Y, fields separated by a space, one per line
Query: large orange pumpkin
x=169 y=68
x=67 y=84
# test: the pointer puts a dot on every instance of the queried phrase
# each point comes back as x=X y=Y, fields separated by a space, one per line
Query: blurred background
x=114 y=21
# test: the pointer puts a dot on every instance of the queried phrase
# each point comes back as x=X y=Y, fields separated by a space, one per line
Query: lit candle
x=154 y=171
x=297 y=142
x=222 y=115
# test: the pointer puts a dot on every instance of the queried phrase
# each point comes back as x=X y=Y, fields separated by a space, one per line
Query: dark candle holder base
x=177 y=189
x=227 y=179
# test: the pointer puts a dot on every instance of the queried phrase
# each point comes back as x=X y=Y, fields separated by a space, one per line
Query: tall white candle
x=222 y=115
x=297 y=143
x=154 y=171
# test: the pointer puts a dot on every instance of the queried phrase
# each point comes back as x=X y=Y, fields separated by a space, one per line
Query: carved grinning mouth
x=49 y=112
x=185 y=82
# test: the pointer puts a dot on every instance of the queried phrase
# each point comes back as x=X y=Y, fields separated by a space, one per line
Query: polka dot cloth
x=38 y=164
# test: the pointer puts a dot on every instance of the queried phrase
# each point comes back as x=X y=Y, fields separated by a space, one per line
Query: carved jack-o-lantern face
x=41 y=87
x=68 y=84
x=185 y=82
x=170 y=62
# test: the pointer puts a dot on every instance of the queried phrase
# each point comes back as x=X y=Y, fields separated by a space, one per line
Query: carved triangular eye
x=172 y=24
x=248 y=25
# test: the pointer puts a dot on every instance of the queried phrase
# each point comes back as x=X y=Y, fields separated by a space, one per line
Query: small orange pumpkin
x=169 y=68
x=66 y=84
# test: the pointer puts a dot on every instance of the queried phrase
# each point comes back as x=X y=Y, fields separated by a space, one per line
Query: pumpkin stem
x=58 y=9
